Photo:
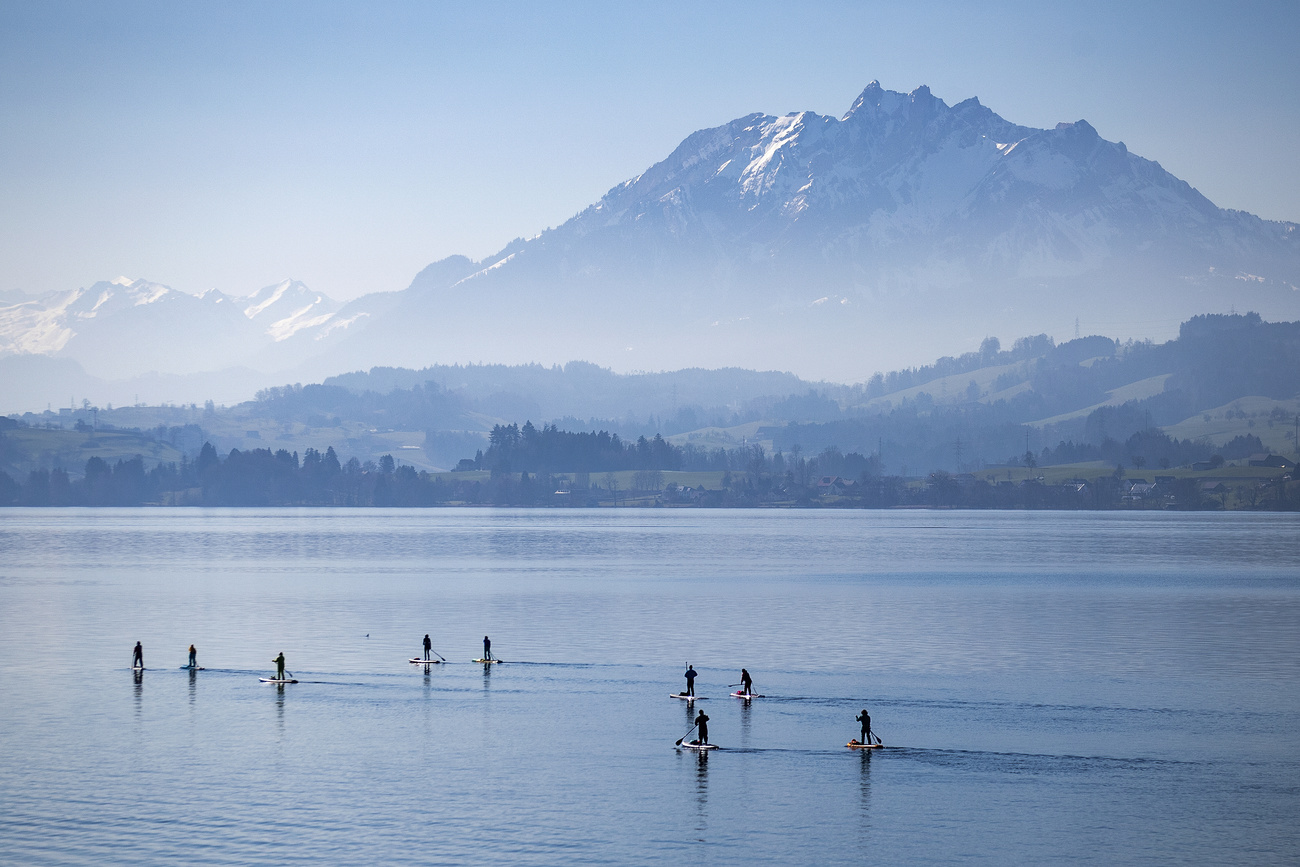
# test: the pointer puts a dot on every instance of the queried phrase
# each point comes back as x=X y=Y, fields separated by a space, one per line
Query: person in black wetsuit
x=690 y=680
x=279 y=666
x=746 y=682
x=702 y=722
x=865 y=719
x=487 y=647
x=137 y=656
x=428 y=645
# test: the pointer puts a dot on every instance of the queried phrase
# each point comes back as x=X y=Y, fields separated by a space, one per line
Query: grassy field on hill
x=25 y=449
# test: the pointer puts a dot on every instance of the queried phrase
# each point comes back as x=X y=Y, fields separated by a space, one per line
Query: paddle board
x=273 y=680
x=193 y=668
x=748 y=695
x=137 y=668
x=683 y=696
x=487 y=661
x=696 y=745
x=426 y=661
x=854 y=745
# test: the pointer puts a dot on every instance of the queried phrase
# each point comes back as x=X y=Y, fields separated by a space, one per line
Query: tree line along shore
x=518 y=470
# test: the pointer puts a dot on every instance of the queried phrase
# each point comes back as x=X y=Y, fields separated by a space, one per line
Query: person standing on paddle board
x=279 y=666
x=702 y=722
x=746 y=682
x=137 y=656
x=690 y=680
x=194 y=657
x=428 y=645
x=487 y=647
x=865 y=719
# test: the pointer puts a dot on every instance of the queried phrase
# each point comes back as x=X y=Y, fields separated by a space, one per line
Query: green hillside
x=24 y=449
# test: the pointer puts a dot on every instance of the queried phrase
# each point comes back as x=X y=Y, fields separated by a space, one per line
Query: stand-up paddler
x=194 y=657
x=137 y=656
x=702 y=722
x=279 y=666
x=865 y=719
x=690 y=680
x=746 y=682
x=428 y=645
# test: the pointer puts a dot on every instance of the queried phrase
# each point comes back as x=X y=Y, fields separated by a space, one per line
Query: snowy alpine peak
x=890 y=152
x=876 y=101
x=109 y=297
x=288 y=307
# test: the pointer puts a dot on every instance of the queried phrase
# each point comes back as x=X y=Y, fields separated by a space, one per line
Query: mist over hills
x=829 y=247
x=1228 y=384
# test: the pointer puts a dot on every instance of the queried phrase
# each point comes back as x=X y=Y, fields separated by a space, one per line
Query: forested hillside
x=1228 y=385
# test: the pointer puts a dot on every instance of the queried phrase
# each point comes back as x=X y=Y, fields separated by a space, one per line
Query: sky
x=231 y=145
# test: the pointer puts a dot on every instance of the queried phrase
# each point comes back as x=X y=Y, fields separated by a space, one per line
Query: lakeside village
x=531 y=467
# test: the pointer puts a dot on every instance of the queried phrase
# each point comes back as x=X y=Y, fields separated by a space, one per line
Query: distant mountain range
x=828 y=247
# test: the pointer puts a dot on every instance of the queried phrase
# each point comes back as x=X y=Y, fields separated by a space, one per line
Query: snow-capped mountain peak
x=284 y=309
x=927 y=225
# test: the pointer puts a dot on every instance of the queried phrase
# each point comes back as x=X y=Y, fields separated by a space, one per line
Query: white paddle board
x=487 y=661
x=748 y=695
x=426 y=661
x=854 y=745
x=684 y=696
x=274 y=680
x=696 y=745
x=193 y=668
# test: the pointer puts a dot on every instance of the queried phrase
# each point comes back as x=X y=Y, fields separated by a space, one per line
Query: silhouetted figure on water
x=137 y=657
x=702 y=722
x=865 y=719
x=690 y=680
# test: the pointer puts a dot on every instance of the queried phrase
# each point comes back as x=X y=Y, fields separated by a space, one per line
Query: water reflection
x=194 y=680
x=701 y=793
x=864 y=795
x=744 y=723
x=279 y=708
x=137 y=677
x=864 y=784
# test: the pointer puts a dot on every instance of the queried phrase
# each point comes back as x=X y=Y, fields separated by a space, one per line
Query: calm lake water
x=1051 y=687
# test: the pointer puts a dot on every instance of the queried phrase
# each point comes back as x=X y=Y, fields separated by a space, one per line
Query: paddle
x=683 y=737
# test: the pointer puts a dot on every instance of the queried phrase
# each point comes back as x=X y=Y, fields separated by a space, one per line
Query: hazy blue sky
x=348 y=145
